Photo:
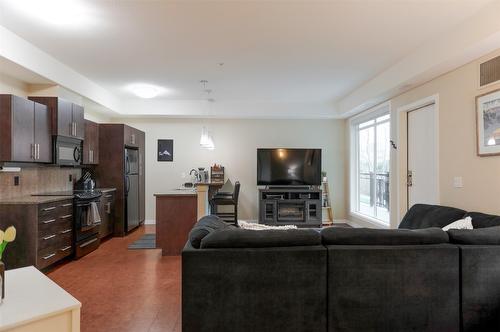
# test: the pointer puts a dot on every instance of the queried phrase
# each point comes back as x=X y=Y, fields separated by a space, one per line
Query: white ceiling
x=276 y=51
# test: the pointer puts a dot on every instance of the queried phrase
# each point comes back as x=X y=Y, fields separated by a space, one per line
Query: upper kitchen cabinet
x=130 y=136
x=91 y=143
x=67 y=118
x=24 y=131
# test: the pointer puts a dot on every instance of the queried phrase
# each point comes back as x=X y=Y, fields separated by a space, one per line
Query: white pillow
x=460 y=224
x=259 y=227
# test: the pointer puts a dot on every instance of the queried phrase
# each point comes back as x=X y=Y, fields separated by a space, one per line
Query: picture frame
x=165 y=150
x=488 y=123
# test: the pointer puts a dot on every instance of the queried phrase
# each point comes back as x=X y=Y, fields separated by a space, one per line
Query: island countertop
x=178 y=192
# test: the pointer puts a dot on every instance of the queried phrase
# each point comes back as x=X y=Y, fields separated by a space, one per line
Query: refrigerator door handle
x=127 y=164
x=127 y=184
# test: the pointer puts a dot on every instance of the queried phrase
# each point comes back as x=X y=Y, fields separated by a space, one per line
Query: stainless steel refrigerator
x=131 y=188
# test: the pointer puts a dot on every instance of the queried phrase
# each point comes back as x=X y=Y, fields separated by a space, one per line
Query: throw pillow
x=465 y=223
x=260 y=227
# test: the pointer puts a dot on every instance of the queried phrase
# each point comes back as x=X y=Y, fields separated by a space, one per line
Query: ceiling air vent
x=489 y=71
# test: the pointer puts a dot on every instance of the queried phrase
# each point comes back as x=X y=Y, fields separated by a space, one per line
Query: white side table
x=34 y=303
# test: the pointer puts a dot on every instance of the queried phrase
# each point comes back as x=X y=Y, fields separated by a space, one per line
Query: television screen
x=288 y=167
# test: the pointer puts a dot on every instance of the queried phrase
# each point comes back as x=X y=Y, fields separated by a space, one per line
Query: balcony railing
x=378 y=188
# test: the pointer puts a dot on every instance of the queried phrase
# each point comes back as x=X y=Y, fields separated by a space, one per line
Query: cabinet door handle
x=108 y=208
x=108 y=196
x=87 y=243
x=66 y=248
x=66 y=231
x=67 y=216
x=49 y=208
x=48 y=221
x=38 y=151
x=49 y=237
x=67 y=204
x=49 y=256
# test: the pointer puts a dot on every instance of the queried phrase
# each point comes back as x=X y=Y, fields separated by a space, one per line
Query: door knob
x=409 y=179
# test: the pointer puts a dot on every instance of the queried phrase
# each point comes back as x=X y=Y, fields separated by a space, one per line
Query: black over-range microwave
x=67 y=151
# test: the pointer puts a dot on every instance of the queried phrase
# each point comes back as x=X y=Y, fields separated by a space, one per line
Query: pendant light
x=206 y=139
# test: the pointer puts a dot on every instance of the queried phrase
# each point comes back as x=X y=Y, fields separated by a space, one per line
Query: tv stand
x=290 y=205
x=289 y=187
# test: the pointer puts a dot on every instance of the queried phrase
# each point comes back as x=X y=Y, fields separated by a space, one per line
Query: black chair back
x=236 y=191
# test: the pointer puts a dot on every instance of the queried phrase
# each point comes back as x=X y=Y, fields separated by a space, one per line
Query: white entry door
x=422 y=170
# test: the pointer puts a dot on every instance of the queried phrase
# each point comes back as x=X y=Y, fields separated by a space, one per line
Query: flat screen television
x=288 y=167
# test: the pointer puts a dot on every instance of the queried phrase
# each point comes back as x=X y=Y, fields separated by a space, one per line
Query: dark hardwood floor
x=125 y=290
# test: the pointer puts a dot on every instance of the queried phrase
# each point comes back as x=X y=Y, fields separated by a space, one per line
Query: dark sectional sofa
x=416 y=278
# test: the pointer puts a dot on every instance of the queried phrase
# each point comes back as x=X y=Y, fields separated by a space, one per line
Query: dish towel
x=93 y=216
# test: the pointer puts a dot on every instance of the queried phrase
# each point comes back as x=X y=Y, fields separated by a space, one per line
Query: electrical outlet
x=16 y=180
x=71 y=178
x=458 y=182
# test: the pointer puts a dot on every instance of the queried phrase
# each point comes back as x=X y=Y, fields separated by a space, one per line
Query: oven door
x=84 y=229
x=67 y=151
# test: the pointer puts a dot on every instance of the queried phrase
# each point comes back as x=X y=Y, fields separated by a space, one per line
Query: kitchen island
x=176 y=212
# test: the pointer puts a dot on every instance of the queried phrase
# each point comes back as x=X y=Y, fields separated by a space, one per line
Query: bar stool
x=227 y=199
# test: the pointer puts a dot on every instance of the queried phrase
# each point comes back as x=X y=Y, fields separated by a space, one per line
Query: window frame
x=354 y=122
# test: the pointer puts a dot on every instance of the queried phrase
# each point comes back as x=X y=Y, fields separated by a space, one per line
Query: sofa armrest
x=259 y=289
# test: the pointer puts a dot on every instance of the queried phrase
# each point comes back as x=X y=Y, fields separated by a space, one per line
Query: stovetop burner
x=79 y=194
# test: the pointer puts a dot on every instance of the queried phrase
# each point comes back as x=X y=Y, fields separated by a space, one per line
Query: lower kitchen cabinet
x=106 y=210
x=44 y=232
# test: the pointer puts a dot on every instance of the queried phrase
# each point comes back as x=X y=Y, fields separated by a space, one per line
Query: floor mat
x=147 y=241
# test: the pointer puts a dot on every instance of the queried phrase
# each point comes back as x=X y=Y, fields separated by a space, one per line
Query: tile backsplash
x=34 y=180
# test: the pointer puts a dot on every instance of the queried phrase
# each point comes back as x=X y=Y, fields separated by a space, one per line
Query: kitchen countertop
x=178 y=192
x=45 y=199
x=30 y=297
x=33 y=199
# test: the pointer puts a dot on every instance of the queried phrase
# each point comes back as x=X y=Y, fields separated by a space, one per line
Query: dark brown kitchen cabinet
x=106 y=210
x=130 y=136
x=67 y=117
x=24 y=130
x=44 y=232
x=141 y=142
x=110 y=172
x=91 y=143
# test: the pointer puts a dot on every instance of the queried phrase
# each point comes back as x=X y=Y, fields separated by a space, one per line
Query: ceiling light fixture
x=56 y=12
x=206 y=139
x=144 y=90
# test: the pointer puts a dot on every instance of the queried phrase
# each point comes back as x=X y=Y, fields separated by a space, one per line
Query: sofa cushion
x=425 y=216
x=480 y=236
x=370 y=236
x=481 y=220
x=205 y=226
x=246 y=238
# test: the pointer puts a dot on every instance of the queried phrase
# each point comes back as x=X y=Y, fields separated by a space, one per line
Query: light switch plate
x=458 y=182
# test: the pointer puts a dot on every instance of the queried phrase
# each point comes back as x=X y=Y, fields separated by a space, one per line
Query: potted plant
x=5 y=237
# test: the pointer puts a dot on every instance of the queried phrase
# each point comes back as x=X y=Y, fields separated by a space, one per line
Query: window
x=370 y=172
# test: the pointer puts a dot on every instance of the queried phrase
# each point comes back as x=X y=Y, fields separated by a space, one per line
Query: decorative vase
x=2 y=281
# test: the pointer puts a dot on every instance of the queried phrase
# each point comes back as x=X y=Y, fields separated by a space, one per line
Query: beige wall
x=457 y=143
x=236 y=143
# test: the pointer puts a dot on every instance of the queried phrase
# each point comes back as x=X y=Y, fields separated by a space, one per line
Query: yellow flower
x=10 y=234
x=1 y=236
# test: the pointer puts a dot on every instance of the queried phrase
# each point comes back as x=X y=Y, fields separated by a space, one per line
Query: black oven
x=67 y=151
x=86 y=229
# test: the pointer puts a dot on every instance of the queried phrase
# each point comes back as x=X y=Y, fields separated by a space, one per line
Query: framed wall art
x=488 y=123
x=165 y=150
